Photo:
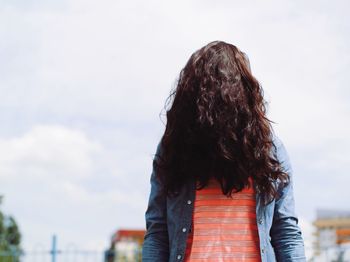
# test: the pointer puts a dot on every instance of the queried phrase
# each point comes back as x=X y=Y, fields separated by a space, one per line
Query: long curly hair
x=217 y=126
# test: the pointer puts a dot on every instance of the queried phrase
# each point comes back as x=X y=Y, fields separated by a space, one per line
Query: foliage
x=10 y=238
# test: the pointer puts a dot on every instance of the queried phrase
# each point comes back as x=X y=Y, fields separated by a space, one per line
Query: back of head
x=217 y=125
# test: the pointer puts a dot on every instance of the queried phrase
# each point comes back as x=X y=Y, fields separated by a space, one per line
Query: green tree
x=10 y=238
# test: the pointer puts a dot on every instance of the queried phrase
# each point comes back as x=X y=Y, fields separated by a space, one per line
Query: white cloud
x=51 y=180
x=48 y=150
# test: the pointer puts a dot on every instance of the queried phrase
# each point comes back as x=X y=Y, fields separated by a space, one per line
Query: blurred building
x=125 y=246
x=332 y=231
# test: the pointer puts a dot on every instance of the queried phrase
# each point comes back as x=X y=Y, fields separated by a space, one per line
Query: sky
x=83 y=85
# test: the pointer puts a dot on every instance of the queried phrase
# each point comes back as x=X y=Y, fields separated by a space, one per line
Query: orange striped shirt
x=223 y=228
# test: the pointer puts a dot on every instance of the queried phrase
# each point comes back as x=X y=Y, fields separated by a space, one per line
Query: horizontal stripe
x=238 y=255
x=227 y=237
x=223 y=228
x=213 y=220
x=225 y=202
x=224 y=214
x=224 y=260
x=232 y=243
x=226 y=226
x=228 y=208
x=220 y=232
x=222 y=248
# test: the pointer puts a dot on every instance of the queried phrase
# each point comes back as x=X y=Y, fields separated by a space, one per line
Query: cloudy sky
x=83 y=83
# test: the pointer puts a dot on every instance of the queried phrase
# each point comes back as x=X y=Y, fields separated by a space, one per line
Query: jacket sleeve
x=156 y=241
x=286 y=236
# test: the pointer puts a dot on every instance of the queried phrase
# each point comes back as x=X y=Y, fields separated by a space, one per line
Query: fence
x=70 y=253
x=46 y=256
x=10 y=253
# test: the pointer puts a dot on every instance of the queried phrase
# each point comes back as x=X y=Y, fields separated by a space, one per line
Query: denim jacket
x=168 y=221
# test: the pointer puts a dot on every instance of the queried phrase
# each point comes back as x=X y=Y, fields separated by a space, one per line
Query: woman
x=221 y=186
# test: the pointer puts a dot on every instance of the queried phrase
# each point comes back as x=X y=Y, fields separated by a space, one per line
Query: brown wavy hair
x=217 y=126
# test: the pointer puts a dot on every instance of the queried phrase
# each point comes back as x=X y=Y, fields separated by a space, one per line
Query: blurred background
x=83 y=84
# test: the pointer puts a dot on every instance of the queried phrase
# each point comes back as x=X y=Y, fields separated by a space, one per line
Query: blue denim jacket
x=168 y=220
